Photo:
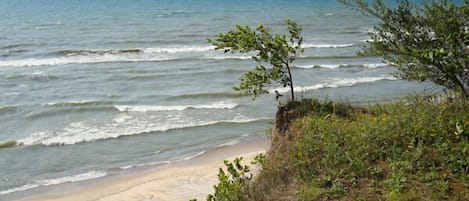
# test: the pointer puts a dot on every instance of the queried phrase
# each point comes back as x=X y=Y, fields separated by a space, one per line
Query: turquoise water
x=90 y=89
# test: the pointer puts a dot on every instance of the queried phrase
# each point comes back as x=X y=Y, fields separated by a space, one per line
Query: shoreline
x=181 y=180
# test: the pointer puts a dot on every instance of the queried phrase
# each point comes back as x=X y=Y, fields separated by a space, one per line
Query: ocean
x=94 y=88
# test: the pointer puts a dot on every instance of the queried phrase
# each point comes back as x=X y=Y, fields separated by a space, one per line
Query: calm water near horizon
x=90 y=89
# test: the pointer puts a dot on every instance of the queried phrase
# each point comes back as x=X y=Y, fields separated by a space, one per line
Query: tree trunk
x=291 y=83
x=460 y=82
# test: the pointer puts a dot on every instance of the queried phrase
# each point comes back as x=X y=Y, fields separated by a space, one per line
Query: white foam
x=77 y=102
x=12 y=94
x=319 y=45
x=229 y=57
x=103 y=56
x=153 y=108
x=179 y=49
x=194 y=156
x=376 y=65
x=323 y=66
x=145 y=164
x=80 y=132
x=332 y=66
x=50 y=182
x=353 y=81
x=21 y=188
x=342 y=82
x=81 y=59
x=121 y=118
x=230 y=143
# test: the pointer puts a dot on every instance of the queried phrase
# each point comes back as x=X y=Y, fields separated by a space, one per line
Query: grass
x=398 y=151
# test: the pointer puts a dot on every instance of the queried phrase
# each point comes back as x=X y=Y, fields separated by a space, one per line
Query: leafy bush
x=334 y=151
x=425 y=41
x=234 y=185
x=398 y=151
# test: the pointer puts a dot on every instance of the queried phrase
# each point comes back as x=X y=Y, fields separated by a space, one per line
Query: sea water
x=93 y=88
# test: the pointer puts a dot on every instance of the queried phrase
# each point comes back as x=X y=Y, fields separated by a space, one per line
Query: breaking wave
x=98 y=52
x=208 y=94
x=230 y=57
x=183 y=49
x=153 y=108
x=145 y=164
x=79 y=103
x=80 y=132
x=194 y=155
x=322 y=66
x=63 y=57
x=229 y=143
x=371 y=65
x=319 y=45
x=151 y=50
x=80 y=59
x=51 y=182
x=345 y=82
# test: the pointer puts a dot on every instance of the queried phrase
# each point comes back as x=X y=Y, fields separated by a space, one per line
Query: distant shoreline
x=182 y=180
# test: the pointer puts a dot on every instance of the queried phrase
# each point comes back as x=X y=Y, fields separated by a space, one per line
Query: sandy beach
x=182 y=180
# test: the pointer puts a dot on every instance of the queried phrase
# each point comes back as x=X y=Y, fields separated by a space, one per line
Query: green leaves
x=234 y=186
x=276 y=50
x=429 y=41
x=253 y=81
x=409 y=150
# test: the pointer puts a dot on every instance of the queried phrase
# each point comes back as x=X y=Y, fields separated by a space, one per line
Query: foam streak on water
x=80 y=60
x=51 y=182
x=337 y=82
x=148 y=108
x=104 y=84
x=80 y=132
x=318 y=45
x=342 y=65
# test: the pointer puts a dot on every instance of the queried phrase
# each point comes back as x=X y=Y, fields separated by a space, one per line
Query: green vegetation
x=233 y=187
x=335 y=151
x=236 y=184
x=275 y=50
x=417 y=151
x=322 y=150
x=428 y=41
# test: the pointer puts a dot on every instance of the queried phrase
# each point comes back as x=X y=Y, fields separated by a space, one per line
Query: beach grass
x=407 y=150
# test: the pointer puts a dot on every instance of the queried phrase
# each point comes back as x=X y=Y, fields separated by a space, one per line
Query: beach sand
x=182 y=180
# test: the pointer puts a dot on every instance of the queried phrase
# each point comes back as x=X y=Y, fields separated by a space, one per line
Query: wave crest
x=154 y=108
x=150 y=50
x=50 y=182
x=319 y=45
x=322 y=66
x=84 y=56
x=369 y=65
x=345 y=82
x=80 y=132
x=98 y=52
x=80 y=59
x=182 y=49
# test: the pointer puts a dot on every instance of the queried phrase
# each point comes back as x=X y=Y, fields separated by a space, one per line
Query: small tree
x=429 y=41
x=276 y=50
